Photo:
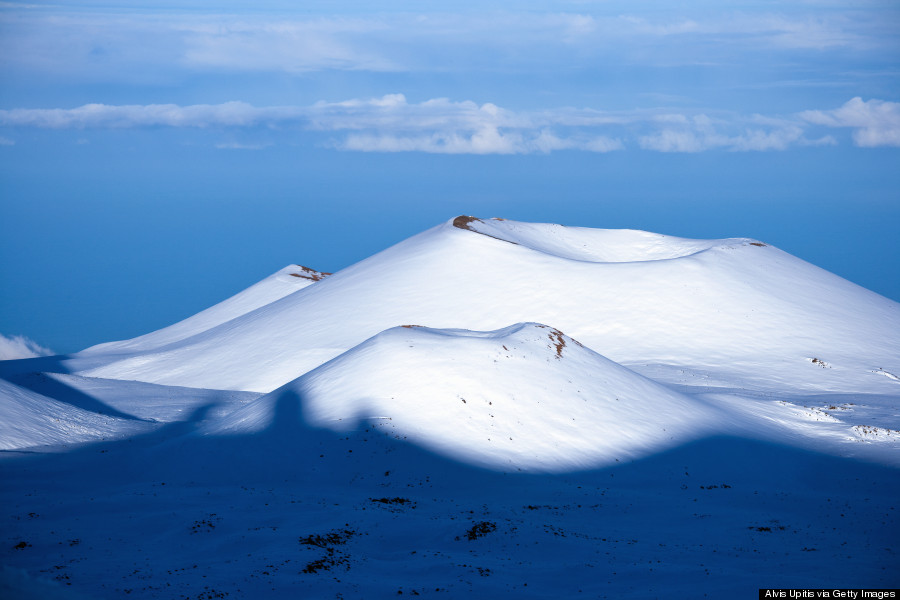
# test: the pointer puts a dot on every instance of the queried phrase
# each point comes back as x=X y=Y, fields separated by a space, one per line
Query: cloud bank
x=228 y=114
x=874 y=122
x=19 y=346
x=440 y=125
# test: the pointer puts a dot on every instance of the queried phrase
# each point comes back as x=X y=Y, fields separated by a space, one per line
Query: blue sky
x=156 y=157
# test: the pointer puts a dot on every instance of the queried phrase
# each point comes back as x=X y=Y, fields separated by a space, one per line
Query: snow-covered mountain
x=735 y=307
x=523 y=397
x=454 y=338
x=470 y=413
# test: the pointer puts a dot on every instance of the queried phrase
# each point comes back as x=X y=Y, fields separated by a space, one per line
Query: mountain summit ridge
x=591 y=244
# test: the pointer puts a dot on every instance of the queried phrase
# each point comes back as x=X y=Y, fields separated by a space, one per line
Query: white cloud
x=761 y=140
x=874 y=122
x=393 y=112
x=392 y=124
x=442 y=126
x=671 y=140
x=150 y=44
x=700 y=133
x=19 y=346
x=229 y=114
x=6 y=141
x=488 y=140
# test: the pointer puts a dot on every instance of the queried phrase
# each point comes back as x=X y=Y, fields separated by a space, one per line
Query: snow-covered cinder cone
x=525 y=397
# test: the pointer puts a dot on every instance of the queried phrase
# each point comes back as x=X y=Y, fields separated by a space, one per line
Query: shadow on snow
x=31 y=374
x=721 y=513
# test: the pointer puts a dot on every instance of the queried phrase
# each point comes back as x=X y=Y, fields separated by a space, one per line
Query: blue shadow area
x=300 y=511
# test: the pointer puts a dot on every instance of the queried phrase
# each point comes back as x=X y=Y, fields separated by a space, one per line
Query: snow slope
x=526 y=397
x=281 y=283
x=29 y=419
x=41 y=410
x=737 y=308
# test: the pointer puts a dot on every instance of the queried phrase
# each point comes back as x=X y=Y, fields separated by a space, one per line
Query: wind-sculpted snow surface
x=736 y=308
x=29 y=419
x=526 y=397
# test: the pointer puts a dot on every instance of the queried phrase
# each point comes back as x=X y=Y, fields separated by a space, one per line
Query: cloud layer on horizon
x=716 y=68
x=392 y=124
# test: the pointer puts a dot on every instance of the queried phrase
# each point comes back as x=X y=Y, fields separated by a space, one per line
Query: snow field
x=488 y=409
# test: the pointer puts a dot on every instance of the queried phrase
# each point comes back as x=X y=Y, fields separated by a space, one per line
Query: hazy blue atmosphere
x=155 y=159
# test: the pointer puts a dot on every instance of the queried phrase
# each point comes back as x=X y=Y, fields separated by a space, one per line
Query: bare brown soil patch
x=463 y=221
x=310 y=274
x=558 y=340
